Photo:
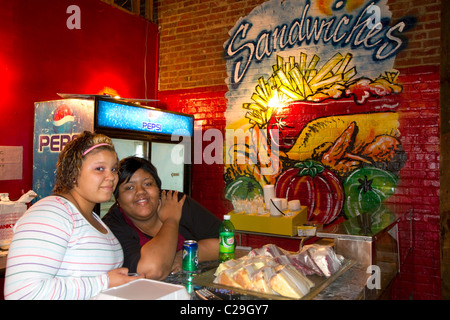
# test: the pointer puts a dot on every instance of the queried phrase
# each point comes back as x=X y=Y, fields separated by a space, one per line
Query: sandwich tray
x=320 y=283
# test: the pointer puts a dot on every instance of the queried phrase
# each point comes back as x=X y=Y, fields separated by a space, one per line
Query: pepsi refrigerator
x=163 y=137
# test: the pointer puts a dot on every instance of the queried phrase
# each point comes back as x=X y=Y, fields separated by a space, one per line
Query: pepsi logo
x=63 y=119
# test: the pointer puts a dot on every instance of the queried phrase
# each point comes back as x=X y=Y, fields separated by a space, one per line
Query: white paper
x=11 y=163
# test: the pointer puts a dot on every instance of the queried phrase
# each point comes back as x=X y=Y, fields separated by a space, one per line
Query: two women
x=62 y=250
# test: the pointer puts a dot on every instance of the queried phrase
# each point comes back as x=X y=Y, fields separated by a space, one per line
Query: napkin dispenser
x=285 y=224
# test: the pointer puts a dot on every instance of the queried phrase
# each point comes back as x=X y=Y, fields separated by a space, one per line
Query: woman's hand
x=119 y=276
x=170 y=207
x=157 y=255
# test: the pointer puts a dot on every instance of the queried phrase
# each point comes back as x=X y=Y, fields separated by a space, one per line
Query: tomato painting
x=316 y=187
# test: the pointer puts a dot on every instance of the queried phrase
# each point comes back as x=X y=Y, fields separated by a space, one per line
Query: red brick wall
x=424 y=44
x=192 y=75
x=192 y=36
x=193 y=33
x=419 y=125
x=208 y=106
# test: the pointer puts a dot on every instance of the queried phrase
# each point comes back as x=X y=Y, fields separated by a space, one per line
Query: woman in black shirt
x=152 y=225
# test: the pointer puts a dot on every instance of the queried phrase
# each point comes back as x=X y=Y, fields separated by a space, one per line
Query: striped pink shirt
x=56 y=253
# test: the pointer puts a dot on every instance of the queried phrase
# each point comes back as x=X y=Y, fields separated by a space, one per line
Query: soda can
x=188 y=283
x=190 y=256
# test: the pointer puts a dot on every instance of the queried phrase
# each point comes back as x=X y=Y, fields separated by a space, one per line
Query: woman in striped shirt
x=61 y=249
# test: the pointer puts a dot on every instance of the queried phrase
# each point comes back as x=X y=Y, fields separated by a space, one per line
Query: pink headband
x=95 y=146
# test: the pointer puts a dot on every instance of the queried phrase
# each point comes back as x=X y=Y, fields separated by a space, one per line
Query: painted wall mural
x=312 y=104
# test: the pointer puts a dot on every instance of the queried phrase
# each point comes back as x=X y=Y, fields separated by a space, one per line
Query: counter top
x=349 y=285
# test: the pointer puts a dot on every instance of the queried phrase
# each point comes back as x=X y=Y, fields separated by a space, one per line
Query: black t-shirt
x=196 y=223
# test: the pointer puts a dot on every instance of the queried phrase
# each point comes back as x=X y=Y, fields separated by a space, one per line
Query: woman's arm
x=158 y=254
x=208 y=249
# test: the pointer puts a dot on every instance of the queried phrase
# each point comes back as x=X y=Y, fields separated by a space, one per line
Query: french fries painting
x=292 y=81
x=323 y=112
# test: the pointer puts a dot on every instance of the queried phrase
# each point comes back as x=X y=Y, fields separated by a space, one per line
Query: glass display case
x=373 y=242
